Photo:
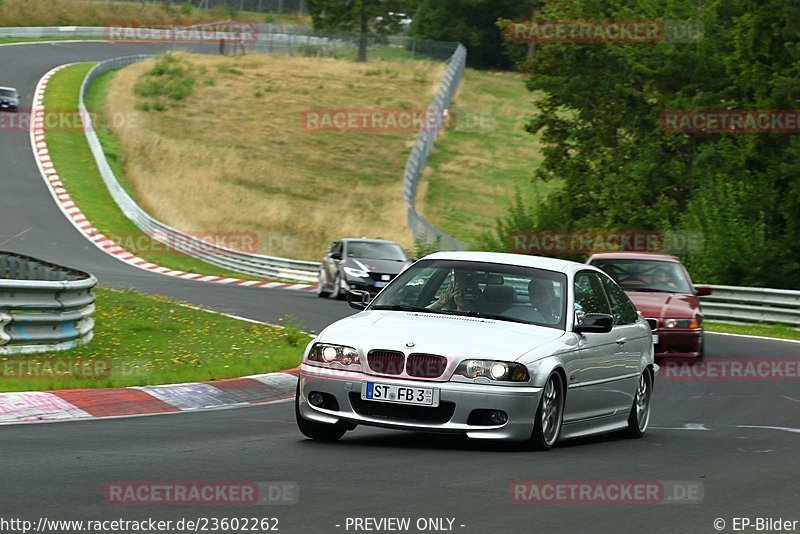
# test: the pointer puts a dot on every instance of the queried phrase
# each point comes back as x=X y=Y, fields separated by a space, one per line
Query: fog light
x=496 y=417
x=484 y=417
x=316 y=399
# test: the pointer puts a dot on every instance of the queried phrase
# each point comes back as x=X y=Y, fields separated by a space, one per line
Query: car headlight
x=681 y=323
x=356 y=273
x=326 y=353
x=494 y=370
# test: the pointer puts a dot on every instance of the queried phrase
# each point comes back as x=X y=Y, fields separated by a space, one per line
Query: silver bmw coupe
x=494 y=346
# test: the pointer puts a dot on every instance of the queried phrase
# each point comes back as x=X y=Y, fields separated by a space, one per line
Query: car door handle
x=621 y=341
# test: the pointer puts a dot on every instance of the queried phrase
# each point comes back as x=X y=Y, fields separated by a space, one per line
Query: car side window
x=337 y=248
x=589 y=295
x=622 y=308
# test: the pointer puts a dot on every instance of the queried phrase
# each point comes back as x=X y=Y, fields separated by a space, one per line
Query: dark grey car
x=9 y=98
x=364 y=264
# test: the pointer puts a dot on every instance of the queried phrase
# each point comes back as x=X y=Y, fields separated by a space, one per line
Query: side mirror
x=336 y=256
x=703 y=291
x=358 y=299
x=595 y=323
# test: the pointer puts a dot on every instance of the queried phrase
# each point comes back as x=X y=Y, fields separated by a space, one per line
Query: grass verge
x=483 y=156
x=762 y=330
x=145 y=340
x=73 y=159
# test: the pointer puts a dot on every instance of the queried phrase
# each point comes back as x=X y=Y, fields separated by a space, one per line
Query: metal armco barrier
x=753 y=304
x=252 y=264
x=420 y=228
x=43 y=307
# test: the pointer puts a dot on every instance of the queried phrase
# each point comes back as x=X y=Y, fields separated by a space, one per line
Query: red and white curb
x=73 y=213
x=78 y=404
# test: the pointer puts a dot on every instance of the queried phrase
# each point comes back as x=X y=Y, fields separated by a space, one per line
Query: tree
x=472 y=23
x=358 y=16
x=598 y=115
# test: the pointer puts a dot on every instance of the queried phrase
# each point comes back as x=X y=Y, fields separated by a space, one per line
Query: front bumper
x=373 y=287
x=679 y=343
x=518 y=402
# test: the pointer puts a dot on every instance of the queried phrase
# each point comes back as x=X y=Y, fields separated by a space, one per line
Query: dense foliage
x=598 y=114
x=473 y=23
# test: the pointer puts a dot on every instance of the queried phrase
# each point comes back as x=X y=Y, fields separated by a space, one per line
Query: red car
x=660 y=288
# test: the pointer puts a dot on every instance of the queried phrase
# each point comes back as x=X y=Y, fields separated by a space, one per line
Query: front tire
x=549 y=415
x=639 y=417
x=312 y=429
x=336 y=292
x=321 y=288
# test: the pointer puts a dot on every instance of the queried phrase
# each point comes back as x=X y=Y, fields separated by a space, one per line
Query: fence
x=43 y=307
x=420 y=228
x=753 y=304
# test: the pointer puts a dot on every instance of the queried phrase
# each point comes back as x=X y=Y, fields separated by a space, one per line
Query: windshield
x=8 y=92
x=477 y=289
x=646 y=275
x=370 y=250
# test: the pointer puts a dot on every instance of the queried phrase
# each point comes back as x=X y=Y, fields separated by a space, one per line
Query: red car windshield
x=646 y=275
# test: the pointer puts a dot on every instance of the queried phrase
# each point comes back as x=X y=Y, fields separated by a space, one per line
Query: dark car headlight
x=494 y=370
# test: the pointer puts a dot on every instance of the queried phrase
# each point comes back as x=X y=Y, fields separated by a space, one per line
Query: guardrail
x=43 y=306
x=753 y=304
x=420 y=227
x=266 y=38
x=253 y=264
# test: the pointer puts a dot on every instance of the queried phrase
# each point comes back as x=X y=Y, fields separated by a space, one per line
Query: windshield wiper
x=402 y=307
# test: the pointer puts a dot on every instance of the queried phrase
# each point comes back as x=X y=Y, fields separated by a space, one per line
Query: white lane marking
x=782 y=428
x=787 y=397
x=754 y=337
x=687 y=426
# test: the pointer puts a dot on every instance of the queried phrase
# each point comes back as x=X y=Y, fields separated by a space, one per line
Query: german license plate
x=655 y=339
x=399 y=394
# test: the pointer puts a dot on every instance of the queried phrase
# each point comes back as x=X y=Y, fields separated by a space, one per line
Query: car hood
x=660 y=305
x=455 y=337
x=378 y=266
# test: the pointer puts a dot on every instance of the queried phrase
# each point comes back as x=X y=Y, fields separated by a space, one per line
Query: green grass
x=483 y=156
x=143 y=340
x=76 y=166
x=762 y=330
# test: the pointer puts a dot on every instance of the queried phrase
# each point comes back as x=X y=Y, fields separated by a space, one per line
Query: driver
x=662 y=278
x=543 y=300
x=462 y=295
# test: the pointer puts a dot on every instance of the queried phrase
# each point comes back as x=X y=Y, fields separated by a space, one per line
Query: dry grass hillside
x=216 y=144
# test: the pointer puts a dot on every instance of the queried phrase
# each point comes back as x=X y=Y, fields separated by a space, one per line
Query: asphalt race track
x=700 y=430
